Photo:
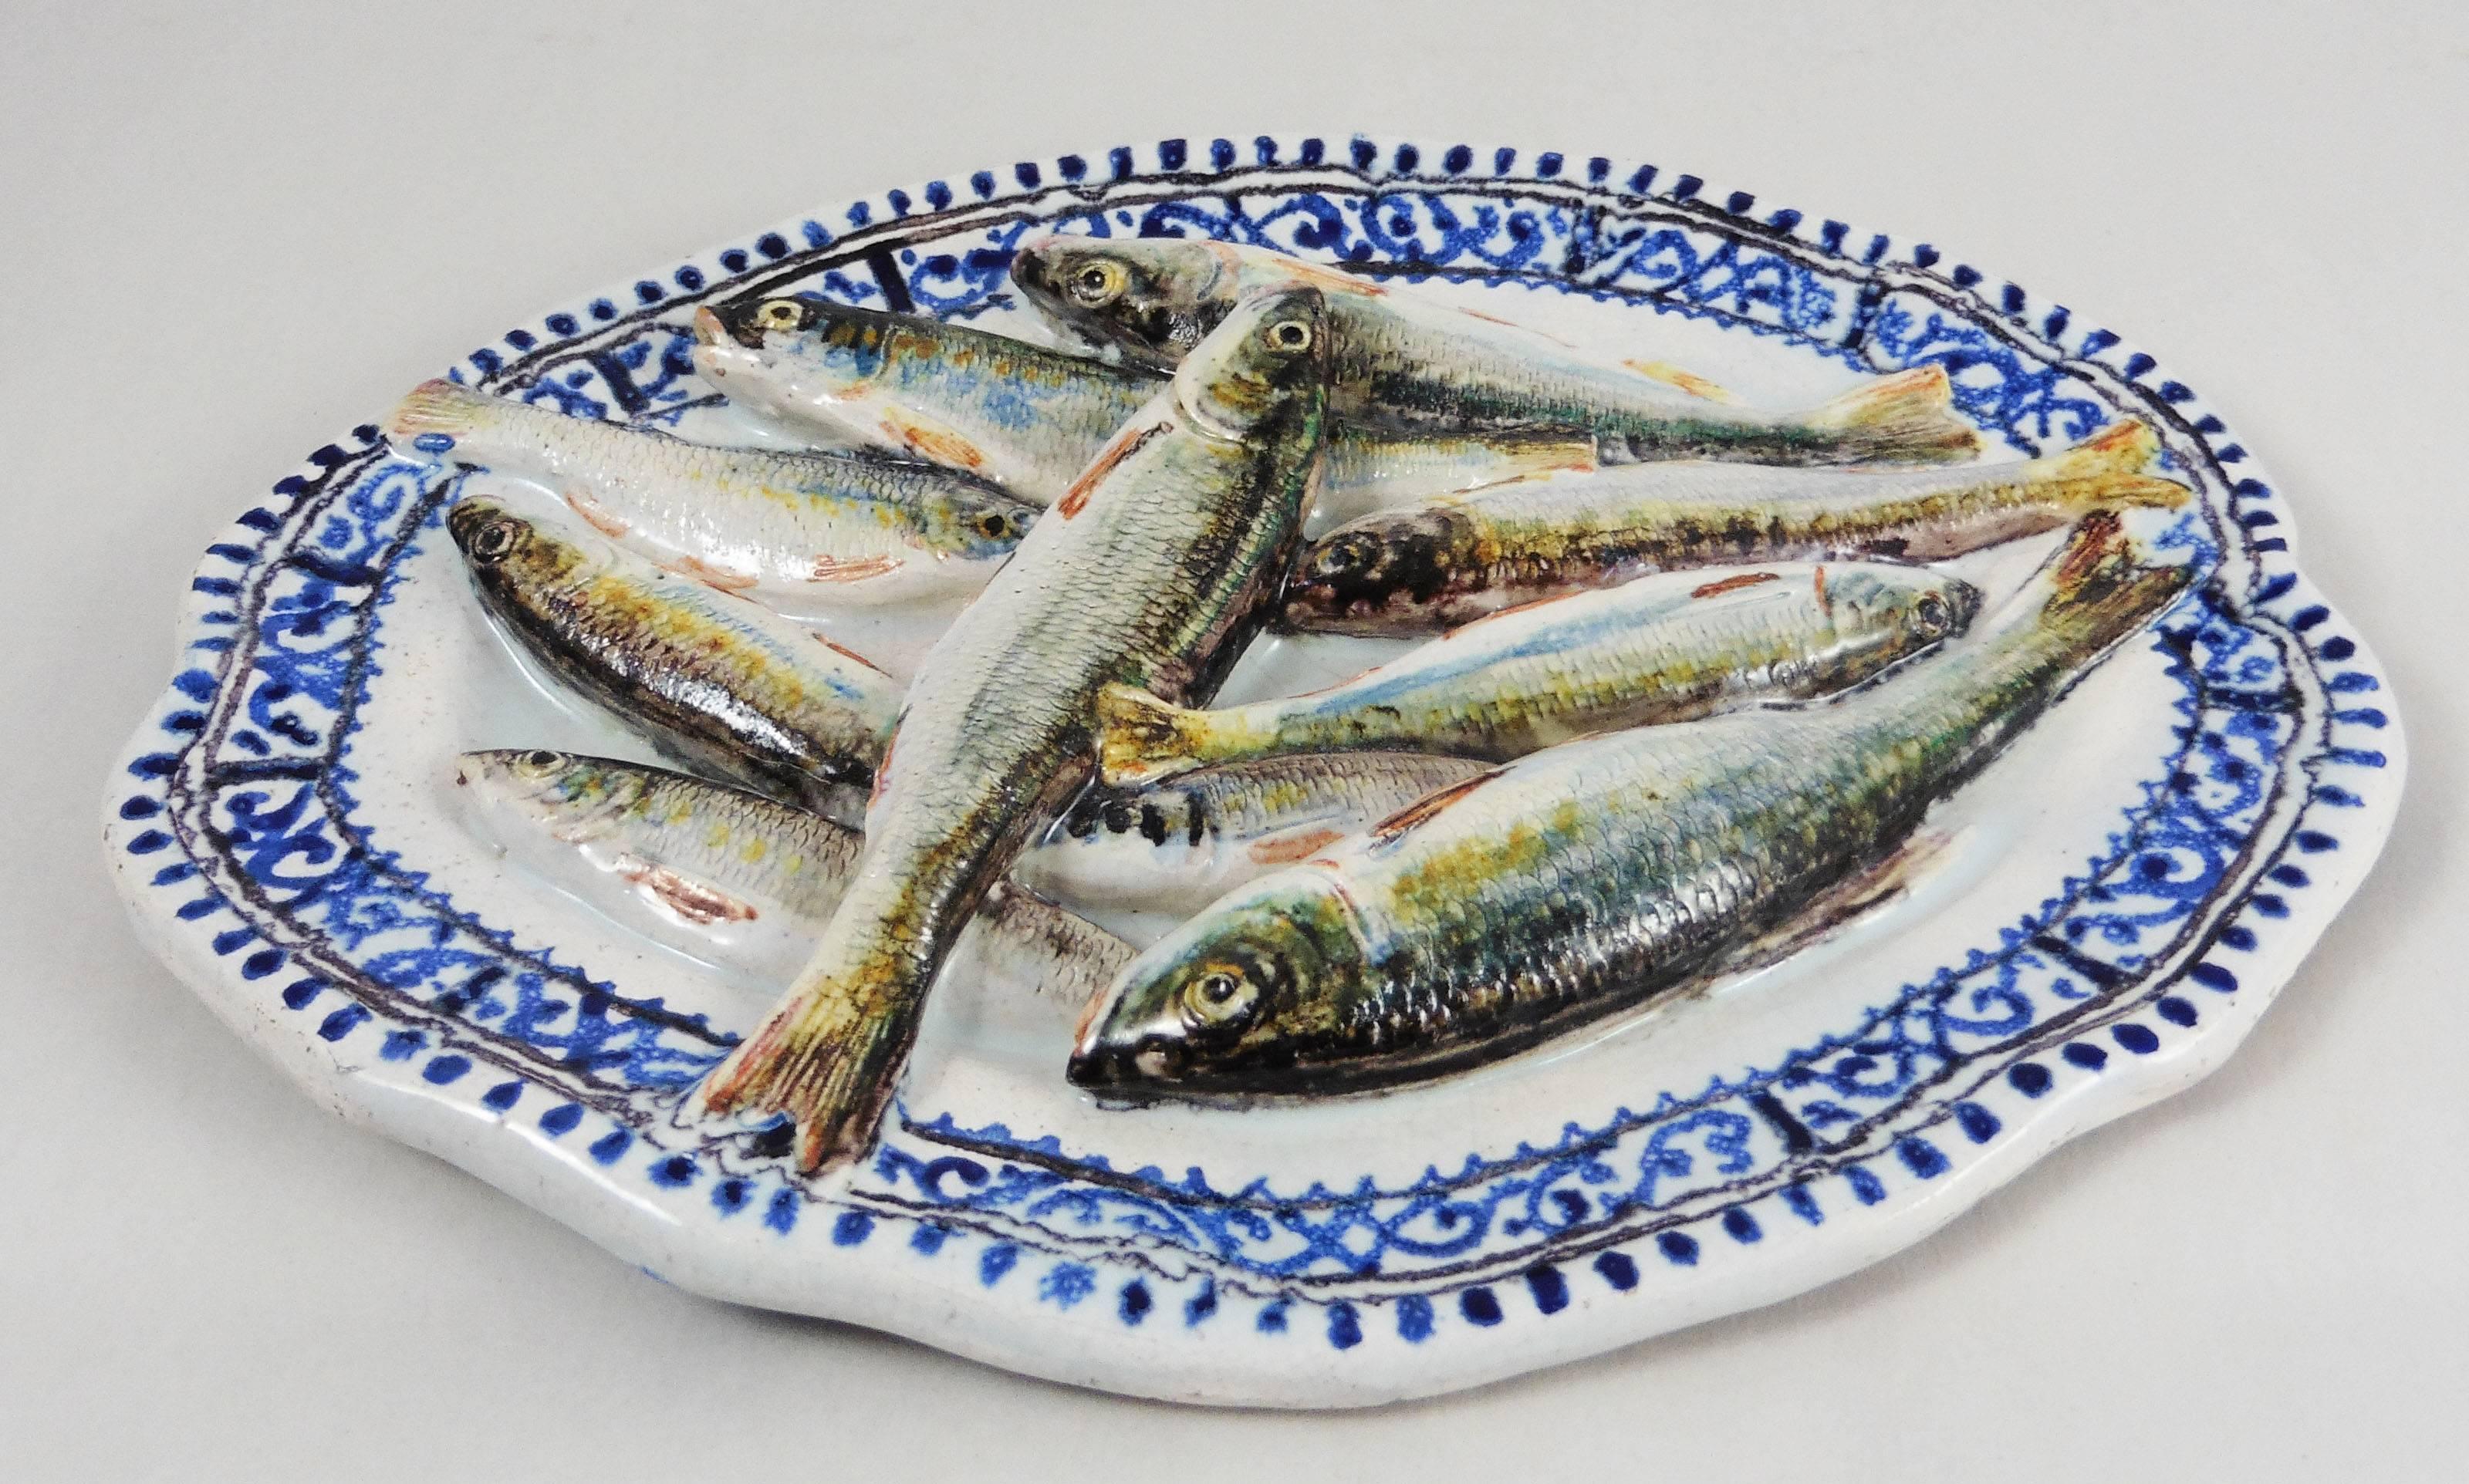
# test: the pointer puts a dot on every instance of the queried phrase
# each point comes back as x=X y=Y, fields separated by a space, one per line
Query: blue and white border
x=232 y=837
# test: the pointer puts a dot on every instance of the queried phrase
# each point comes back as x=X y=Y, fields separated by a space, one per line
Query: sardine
x=1153 y=569
x=1586 y=880
x=1180 y=845
x=734 y=879
x=1416 y=365
x=801 y=532
x=710 y=679
x=1031 y=418
x=1450 y=561
x=1668 y=648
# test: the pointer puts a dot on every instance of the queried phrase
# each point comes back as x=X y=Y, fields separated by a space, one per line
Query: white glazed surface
x=2043 y=810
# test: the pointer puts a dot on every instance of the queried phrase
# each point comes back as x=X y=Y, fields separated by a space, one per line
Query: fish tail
x=2099 y=582
x=1908 y=418
x=443 y=408
x=826 y=1063
x=2107 y=469
x=1141 y=739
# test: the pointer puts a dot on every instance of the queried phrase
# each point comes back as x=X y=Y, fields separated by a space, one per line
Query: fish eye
x=1347 y=556
x=540 y=763
x=993 y=526
x=495 y=540
x=1095 y=282
x=1221 y=1000
x=1931 y=614
x=779 y=314
x=1291 y=337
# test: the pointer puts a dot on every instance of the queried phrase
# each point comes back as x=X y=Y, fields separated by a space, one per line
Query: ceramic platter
x=2125 y=889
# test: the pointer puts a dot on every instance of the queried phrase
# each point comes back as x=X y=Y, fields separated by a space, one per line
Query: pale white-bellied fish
x=1451 y=561
x=1153 y=569
x=1668 y=648
x=1415 y=364
x=1179 y=845
x=1030 y=418
x=1589 y=879
x=708 y=679
x=801 y=532
x=736 y=879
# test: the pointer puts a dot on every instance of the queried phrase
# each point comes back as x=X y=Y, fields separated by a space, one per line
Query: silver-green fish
x=1668 y=648
x=1154 y=569
x=1416 y=365
x=1179 y=845
x=1583 y=881
x=1031 y=418
x=1451 y=561
x=711 y=680
x=801 y=532
x=735 y=879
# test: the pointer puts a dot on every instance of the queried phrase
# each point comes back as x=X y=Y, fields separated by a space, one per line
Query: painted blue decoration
x=247 y=792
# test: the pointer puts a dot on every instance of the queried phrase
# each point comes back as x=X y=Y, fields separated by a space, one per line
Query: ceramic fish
x=1029 y=418
x=1402 y=363
x=708 y=679
x=729 y=875
x=799 y=532
x=1668 y=648
x=1180 y=845
x=1451 y=561
x=1154 y=568
x=1585 y=879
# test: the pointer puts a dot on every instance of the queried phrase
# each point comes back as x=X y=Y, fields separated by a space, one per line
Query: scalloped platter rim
x=2128 y=898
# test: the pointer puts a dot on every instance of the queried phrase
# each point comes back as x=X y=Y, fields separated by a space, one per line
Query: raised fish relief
x=1464 y=767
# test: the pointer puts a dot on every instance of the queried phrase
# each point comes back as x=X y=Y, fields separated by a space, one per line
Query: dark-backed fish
x=1153 y=569
x=1668 y=648
x=735 y=879
x=1031 y=418
x=1454 y=559
x=1402 y=362
x=710 y=679
x=803 y=533
x=1589 y=879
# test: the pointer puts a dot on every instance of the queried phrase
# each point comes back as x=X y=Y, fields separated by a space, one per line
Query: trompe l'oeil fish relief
x=1269 y=829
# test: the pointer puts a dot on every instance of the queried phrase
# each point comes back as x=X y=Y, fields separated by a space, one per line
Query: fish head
x=1917 y=607
x=783 y=351
x=978 y=522
x=571 y=796
x=505 y=550
x=1264 y=368
x=1231 y=1001
x=1155 y=298
x=1381 y=568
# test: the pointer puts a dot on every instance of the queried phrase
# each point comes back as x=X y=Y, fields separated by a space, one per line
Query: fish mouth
x=709 y=329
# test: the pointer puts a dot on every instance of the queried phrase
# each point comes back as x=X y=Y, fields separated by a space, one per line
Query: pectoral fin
x=698 y=903
x=1853 y=897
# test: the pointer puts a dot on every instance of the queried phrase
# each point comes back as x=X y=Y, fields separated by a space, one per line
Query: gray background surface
x=228 y=240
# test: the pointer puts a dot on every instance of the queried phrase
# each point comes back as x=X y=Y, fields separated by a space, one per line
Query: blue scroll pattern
x=275 y=799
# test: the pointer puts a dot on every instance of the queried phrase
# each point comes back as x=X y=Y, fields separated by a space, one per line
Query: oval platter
x=2127 y=887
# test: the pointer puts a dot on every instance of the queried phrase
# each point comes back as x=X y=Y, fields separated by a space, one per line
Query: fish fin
x=1122 y=445
x=927 y=438
x=1429 y=804
x=598 y=517
x=1532 y=458
x=441 y=407
x=1740 y=580
x=1846 y=902
x=1908 y=418
x=828 y=1055
x=838 y=569
x=1284 y=849
x=1689 y=381
x=847 y=653
x=1141 y=739
x=2099 y=580
x=698 y=903
x=2106 y=468
x=728 y=580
